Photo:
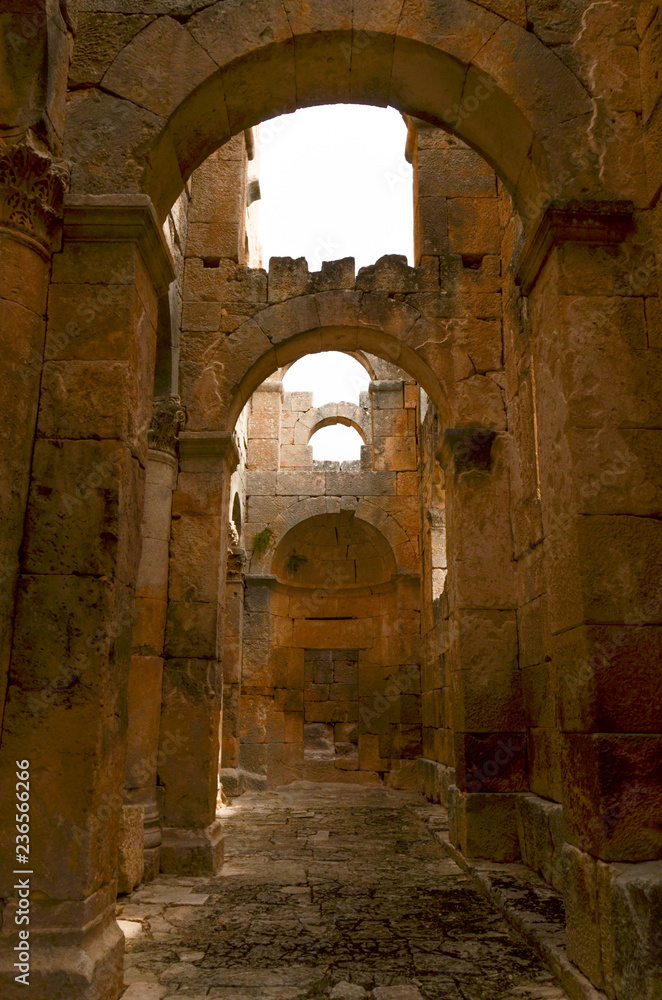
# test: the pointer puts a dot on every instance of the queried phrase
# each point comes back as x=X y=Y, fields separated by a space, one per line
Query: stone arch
x=216 y=389
x=346 y=414
x=404 y=550
x=182 y=88
x=316 y=573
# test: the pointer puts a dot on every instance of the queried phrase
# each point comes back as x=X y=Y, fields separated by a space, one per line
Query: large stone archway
x=579 y=385
x=147 y=125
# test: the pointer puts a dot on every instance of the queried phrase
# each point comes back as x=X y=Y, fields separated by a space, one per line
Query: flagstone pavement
x=327 y=891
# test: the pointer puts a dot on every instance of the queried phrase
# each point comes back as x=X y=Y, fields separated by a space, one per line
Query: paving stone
x=347 y=991
x=332 y=892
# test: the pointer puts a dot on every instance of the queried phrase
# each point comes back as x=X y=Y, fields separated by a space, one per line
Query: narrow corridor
x=328 y=891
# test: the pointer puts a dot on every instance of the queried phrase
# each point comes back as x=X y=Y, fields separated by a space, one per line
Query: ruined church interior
x=354 y=696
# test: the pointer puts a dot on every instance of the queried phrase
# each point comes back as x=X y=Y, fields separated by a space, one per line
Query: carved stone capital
x=32 y=189
x=168 y=418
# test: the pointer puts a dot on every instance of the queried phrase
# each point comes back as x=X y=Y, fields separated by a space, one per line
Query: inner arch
x=372 y=341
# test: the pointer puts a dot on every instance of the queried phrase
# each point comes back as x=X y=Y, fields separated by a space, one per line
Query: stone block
x=192 y=851
x=263 y=455
x=483 y=826
x=296 y=456
x=144 y=699
x=261 y=484
x=149 y=625
x=90 y=322
x=287 y=277
x=612 y=803
x=131 y=865
x=198 y=493
x=369 y=754
x=256 y=670
x=546 y=762
x=253 y=719
x=610 y=679
x=309 y=484
x=485 y=679
x=253 y=758
x=531 y=635
x=473 y=226
x=284 y=763
x=287 y=667
x=541 y=837
x=433 y=216
x=82 y=518
x=176 y=61
x=633 y=952
x=120 y=410
x=191 y=629
x=319 y=739
x=455 y=173
x=194 y=559
x=403 y=775
x=288 y=701
x=495 y=762
x=582 y=915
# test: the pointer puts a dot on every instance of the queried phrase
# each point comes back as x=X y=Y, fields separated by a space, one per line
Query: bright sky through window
x=332 y=377
x=336 y=444
x=335 y=183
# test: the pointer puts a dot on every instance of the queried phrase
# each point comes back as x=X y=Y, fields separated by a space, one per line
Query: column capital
x=572 y=221
x=109 y=218
x=32 y=189
x=168 y=419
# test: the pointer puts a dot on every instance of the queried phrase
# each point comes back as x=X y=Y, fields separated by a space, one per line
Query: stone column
x=66 y=699
x=593 y=311
x=485 y=688
x=192 y=680
x=146 y=673
x=31 y=192
x=232 y=660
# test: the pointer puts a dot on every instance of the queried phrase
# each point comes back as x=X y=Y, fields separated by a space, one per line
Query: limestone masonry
x=214 y=650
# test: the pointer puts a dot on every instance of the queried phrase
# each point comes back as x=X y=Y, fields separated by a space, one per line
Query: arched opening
x=236 y=514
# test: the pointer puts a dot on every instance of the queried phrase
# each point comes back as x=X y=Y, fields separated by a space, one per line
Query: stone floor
x=330 y=891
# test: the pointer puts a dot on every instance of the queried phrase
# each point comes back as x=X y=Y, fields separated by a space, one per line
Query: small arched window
x=236 y=513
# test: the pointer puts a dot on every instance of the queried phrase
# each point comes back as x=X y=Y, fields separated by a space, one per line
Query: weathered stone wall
x=552 y=526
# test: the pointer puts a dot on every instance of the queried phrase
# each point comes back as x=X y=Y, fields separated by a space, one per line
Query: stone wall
x=533 y=324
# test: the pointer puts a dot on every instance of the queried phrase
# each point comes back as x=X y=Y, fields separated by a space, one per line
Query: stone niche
x=330 y=683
